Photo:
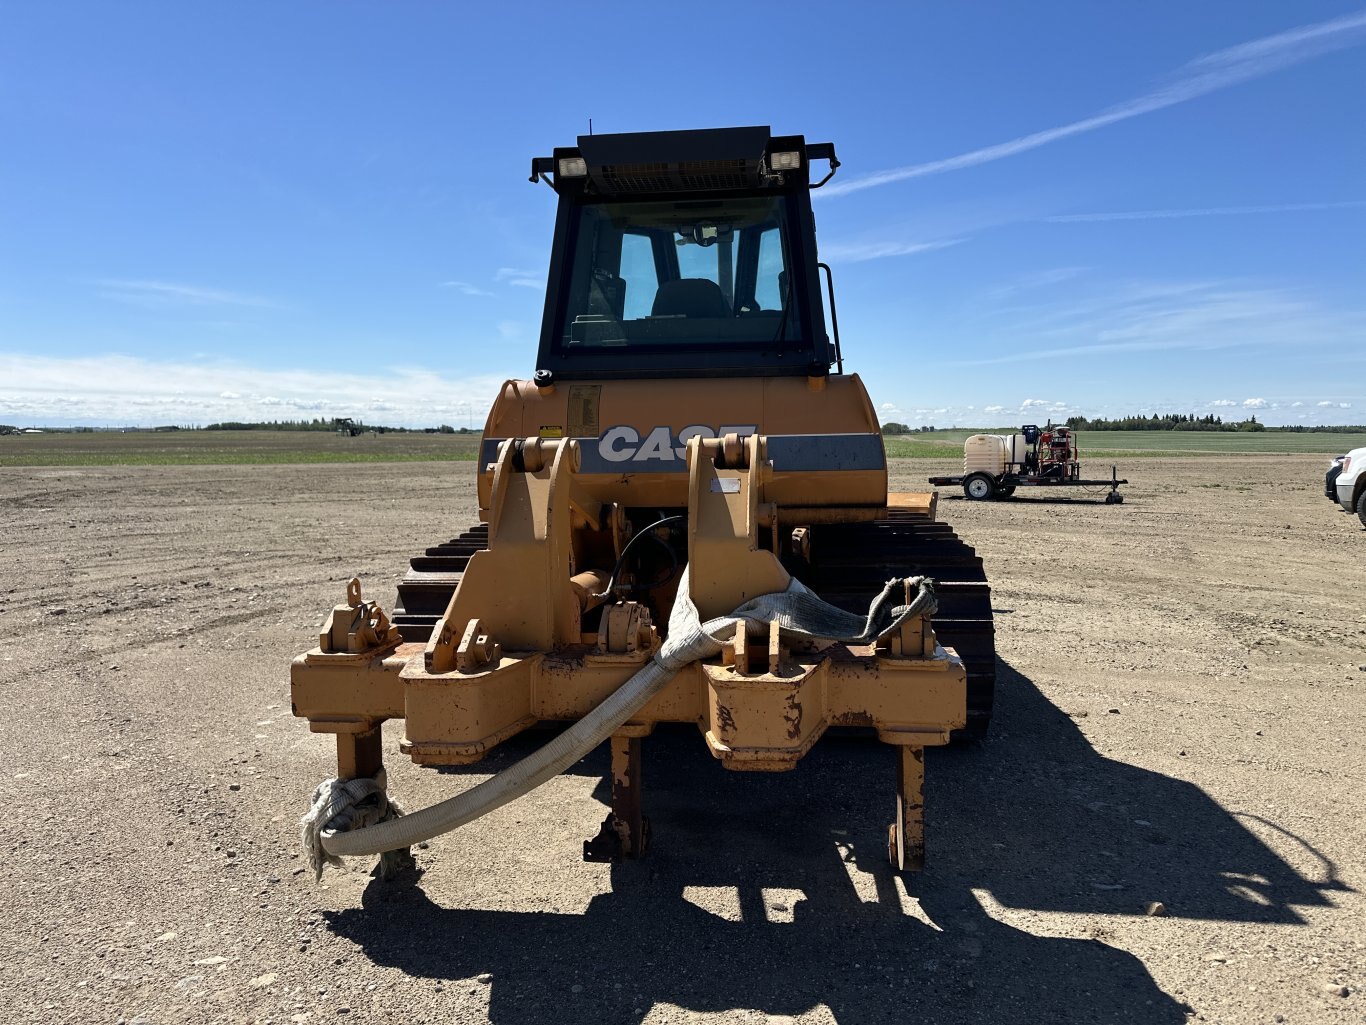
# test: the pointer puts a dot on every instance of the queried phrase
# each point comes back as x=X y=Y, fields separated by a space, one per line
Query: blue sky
x=282 y=211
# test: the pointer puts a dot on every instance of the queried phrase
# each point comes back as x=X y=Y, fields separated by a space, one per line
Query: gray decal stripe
x=790 y=453
x=807 y=453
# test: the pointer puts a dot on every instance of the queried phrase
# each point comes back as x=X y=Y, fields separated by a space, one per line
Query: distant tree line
x=1167 y=422
x=338 y=424
x=1340 y=429
x=317 y=424
x=892 y=427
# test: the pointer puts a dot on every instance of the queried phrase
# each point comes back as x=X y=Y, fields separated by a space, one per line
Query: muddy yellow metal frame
x=511 y=649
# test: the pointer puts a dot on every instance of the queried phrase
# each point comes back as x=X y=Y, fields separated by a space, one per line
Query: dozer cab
x=689 y=457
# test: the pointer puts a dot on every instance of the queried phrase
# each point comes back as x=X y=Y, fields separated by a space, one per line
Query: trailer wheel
x=979 y=487
x=1005 y=492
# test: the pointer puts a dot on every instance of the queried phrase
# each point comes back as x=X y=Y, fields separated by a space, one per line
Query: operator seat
x=690 y=297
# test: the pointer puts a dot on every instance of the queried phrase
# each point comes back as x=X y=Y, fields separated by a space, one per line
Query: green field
x=207 y=448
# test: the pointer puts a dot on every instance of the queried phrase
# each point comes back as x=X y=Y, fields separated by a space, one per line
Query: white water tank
x=985 y=453
x=1018 y=448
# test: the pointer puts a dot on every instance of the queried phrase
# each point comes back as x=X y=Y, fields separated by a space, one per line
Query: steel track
x=849 y=564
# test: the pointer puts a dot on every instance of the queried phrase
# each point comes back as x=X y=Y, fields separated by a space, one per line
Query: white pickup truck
x=1351 y=483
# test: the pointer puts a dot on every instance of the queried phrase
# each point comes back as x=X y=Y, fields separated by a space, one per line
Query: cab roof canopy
x=704 y=160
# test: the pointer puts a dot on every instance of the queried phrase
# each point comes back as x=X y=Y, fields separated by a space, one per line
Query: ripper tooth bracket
x=913 y=644
x=474 y=652
x=359 y=627
x=476 y=648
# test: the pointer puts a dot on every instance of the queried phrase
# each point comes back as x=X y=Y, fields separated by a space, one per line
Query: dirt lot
x=1180 y=720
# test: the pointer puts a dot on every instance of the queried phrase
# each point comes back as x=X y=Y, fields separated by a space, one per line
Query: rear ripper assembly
x=689 y=423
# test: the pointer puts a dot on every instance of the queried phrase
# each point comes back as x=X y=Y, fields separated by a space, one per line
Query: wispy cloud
x=1210 y=211
x=1162 y=317
x=521 y=278
x=1199 y=77
x=161 y=294
x=1037 y=279
x=465 y=288
x=857 y=252
x=123 y=390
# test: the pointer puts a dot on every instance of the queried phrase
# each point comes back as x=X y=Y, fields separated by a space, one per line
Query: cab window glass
x=767 y=282
x=639 y=274
x=679 y=273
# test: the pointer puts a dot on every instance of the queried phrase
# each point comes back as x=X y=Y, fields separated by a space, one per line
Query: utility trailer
x=994 y=465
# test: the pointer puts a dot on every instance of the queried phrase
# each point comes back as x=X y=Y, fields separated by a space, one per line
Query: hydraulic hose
x=552 y=759
x=797 y=610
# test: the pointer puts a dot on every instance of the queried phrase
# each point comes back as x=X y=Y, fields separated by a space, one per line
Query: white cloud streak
x=520 y=278
x=162 y=294
x=1033 y=280
x=1212 y=211
x=858 y=252
x=1199 y=77
x=465 y=288
x=128 y=391
x=1169 y=317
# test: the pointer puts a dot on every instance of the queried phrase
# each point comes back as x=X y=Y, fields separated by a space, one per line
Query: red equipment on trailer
x=995 y=465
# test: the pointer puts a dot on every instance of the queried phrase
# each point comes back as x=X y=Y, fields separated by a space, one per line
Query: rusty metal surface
x=625 y=832
x=359 y=755
x=752 y=720
x=906 y=834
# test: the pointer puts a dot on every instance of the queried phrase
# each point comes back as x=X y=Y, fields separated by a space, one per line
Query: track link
x=426 y=589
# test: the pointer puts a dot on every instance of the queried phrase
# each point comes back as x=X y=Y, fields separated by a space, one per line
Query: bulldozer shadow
x=773 y=892
x=1061 y=827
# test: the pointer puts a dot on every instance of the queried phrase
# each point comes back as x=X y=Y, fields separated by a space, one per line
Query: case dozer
x=689 y=441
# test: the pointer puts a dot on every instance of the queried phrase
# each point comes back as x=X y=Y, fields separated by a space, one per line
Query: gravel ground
x=1179 y=721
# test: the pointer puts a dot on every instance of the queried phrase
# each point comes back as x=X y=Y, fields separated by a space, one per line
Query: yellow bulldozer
x=684 y=517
